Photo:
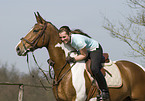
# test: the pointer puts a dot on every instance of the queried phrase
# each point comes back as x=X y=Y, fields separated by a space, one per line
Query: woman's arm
x=83 y=54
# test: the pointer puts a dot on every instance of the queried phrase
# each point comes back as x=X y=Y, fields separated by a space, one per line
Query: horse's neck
x=57 y=52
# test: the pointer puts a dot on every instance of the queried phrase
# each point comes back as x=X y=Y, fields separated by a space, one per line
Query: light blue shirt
x=80 y=41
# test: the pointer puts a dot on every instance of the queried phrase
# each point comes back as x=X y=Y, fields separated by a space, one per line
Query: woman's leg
x=96 y=57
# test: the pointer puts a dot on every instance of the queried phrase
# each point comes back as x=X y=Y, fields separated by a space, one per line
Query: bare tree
x=132 y=31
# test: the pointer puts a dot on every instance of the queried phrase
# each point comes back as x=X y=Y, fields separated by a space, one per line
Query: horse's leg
x=118 y=94
x=138 y=86
x=138 y=94
x=65 y=91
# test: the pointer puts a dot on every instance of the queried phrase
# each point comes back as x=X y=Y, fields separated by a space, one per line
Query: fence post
x=21 y=91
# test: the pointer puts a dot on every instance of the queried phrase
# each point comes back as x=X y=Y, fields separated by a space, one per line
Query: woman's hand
x=70 y=59
x=83 y=54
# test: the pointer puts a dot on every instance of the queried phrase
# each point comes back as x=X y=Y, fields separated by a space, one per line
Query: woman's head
x=64 y=34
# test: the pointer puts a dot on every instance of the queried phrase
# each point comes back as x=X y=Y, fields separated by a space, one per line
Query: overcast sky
x=17 y=18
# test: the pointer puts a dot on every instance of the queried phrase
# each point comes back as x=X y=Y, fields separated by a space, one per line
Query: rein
x=57 y=81
x=39 y=69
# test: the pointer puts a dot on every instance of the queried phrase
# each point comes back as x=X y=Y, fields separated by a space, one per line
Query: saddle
x=105 y=58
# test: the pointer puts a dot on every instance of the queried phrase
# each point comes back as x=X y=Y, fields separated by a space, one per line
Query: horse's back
x=131 y=68
x=133 y=76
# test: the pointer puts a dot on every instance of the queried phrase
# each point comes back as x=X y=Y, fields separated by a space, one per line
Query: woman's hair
x=64 y=29
x=76 y=31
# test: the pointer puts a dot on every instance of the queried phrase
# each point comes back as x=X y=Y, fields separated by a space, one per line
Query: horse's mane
x=78 y=31
x=52 y=25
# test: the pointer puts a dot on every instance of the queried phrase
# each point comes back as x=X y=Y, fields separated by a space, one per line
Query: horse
x=71 y=82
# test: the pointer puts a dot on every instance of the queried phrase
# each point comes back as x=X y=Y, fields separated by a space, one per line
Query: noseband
x=35 y=41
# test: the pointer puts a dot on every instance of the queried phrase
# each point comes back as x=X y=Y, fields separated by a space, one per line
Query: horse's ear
x=37 y=19
x=40 y=18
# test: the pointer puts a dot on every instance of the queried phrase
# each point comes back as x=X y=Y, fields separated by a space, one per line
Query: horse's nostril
x=17 y=49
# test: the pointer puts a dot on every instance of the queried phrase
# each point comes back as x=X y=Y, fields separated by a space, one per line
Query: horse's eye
x=36 y=30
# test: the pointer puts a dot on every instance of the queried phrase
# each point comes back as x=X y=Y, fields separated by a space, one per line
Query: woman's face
x=64 y=37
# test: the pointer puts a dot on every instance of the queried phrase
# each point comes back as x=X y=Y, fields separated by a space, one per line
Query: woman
x=89 y=48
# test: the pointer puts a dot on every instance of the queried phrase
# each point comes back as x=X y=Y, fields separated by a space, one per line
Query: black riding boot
x=103 y=86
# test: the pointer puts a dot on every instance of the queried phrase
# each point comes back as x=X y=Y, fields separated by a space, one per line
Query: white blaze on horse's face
x=77 y=73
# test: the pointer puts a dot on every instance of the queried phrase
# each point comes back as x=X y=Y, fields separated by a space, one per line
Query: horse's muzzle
x=20 y=52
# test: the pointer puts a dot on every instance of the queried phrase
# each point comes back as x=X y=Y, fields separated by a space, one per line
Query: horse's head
x=36 y=38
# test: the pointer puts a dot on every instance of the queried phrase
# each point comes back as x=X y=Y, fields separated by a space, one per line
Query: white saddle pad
x=115 y=79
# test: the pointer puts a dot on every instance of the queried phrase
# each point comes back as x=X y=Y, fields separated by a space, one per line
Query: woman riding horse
x=72 y=83
x=90 y=48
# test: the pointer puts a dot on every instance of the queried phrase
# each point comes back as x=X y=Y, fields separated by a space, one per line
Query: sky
x=17 y=18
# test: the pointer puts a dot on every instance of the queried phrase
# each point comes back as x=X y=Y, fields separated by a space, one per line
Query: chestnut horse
x=72 y=83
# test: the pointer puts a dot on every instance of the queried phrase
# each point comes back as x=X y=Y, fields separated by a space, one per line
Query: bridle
x=36 y=40
x=34 y=46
